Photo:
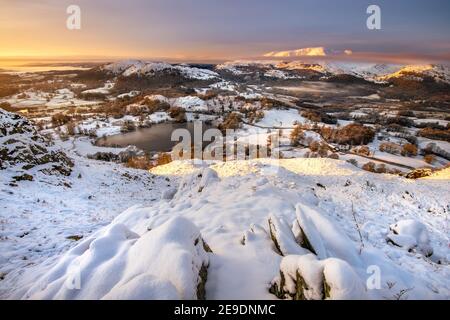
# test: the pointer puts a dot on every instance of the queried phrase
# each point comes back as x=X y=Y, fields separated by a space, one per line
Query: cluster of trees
x=380 y=168
x=352 y=134
x=435 y=134
x=6 y=106
x=297 y=135
x=177 y=113
x=317 y=116
x=144 y=162
x=8 y=86
x=232 y=121
x=407 y=150
x=60 y=119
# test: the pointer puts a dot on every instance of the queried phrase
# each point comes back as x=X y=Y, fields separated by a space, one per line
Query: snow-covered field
x=149 y=250
x=37 y=217
x=61 y=98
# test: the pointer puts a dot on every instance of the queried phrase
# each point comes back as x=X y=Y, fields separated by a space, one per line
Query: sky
x=223 y=29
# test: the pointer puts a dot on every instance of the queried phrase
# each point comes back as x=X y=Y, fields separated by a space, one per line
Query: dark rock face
x=22 y=147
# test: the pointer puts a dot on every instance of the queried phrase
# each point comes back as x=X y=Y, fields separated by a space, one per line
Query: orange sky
x=221 y=30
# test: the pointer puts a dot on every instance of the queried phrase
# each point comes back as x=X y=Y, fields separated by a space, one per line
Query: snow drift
x=169 y=262
x=273 y=232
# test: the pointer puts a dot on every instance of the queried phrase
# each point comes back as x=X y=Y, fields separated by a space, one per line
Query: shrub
x=139 y=162
x=406 y=113
x=128 y=126
x=402 y=121
x=317 y=116
x=353 y=162
x=314 y=146
x=156 y=105
x=323 y=150
x=363 y=150
x=71 y=128
x=369 y=166
x=296 y=135
x=163 y=158
x=177 y=113
x=311 y=115
x=335 y=156
x=60 y=119
x=435 y=134
x=352 y=134
x=409 y=150
x=232 y=121
x=393 y=127
x=381 y=168
x=93 y=96
x=429 y=158
x=390 y=147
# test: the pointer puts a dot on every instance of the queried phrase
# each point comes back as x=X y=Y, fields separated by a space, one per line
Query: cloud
x=315 y=52
x=307 y=52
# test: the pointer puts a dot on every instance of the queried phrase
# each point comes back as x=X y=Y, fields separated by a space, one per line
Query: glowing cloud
x=307 y=52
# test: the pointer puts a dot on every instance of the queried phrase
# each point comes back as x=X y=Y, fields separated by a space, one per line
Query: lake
x=157 y=138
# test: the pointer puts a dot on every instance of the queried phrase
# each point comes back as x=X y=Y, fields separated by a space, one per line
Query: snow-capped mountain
x=374 y=72
x=148 y=68
x=308 y=52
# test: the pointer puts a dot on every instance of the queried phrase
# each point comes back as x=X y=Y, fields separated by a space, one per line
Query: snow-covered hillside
x=375 y=72
x=147 y=68
x=250 y=227
x=43 y=218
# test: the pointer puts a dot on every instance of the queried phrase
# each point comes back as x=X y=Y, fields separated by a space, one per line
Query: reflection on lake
x=157 y=138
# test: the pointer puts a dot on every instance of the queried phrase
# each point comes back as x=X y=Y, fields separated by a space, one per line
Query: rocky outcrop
x=25 y=151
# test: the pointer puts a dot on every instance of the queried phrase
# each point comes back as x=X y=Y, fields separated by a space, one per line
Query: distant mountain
x=309 y=52
x=128 y=68
x=276 y=69
x=374 y=72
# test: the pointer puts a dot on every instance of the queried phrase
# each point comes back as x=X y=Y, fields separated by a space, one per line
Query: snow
x=61 y=98
x=281 y=118
x=231 y=203
x=106 y=89
x=157 y=97
x=278 y=74
x=37 y=217
x=190 y=103
x=163 y=263
x=130 y=94
x=148 y=68
x=224 y=85
x=344 y=283
x=375 y=72
x=411 y=234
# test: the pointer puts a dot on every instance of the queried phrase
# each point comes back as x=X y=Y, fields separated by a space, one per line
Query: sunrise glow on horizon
x=216 y=30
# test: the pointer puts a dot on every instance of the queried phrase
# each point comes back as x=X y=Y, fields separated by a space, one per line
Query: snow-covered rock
x=25 y=152
x=168 y=262
x=411 y=234
x=304 y=277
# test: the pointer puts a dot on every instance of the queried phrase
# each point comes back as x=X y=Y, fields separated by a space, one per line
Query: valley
x=90 y=180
